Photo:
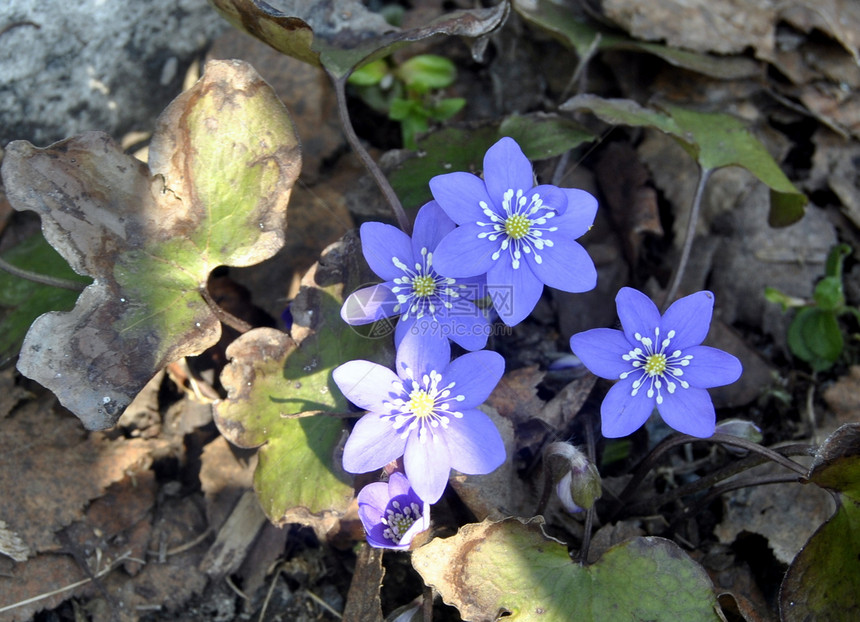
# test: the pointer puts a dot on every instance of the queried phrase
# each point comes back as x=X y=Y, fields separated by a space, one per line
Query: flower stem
x=704 y=176
x=371 y=166
x=44 y=279
x=670 y=442
x=224 y=316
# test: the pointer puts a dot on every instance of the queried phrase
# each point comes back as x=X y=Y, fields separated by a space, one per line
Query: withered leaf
x=223 y=160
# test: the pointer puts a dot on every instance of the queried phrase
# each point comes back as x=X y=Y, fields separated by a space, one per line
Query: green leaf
x=715 y=140
x=822 y=582
x=341 y=34
x=814 y=337
x=223 y=160
x=280 y=389
x=829 y=294
x=835 y=259
x=511 y=567
x=560 y=21
x=369 y=74
x=447 y=108
x=22 y=300
x=451 y=149
x=425 y=72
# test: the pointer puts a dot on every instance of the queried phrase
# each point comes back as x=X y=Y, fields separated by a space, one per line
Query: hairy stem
x=374 y=170
x=704 y=176
x=223 y=316
x=44 y=279
x=670 y=442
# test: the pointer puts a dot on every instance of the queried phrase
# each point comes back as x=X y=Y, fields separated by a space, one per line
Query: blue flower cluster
x=488 y=246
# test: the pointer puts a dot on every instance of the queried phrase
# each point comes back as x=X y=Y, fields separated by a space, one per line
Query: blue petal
x=474 y=442
x=369 y=305
x=690 y=318
x=462 y=253
x=372 y=444
x=475 y=375
x=427 y=465
x=637 y=313
x=710 y=367
x=565 y=266
x=621 y=413
x=398 y=484
x=366 y=384
x=460 y=195
x=580 y=213
x=419 y=353
x=506 y=168
x=514 y=293
x=380 y=243
x=552 y=197
x=376 y=537
x=690 y=411
x=431 y=225
x=469 y=331
x=600 y=350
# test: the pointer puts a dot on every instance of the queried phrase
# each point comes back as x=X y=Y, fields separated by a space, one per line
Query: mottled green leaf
x=22 y=301
x=823 y=582
x=223 y=160
x=341 y=34
x=280 y=387
x=511 y=567
x=715 y=140
x=451 y=149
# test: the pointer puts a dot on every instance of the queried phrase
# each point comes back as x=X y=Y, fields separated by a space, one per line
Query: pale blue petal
x=621 y=413
x=475 y=444
x=372 y=501
x=506 y=168
x=380 y=243
x=580 y=213
x=427 y=465
x=372 y=444
x=566 y=266
x=638 y=314
x=431 y=225
x=710 y=367
x=475 y=375
x=462 y=253
x=420 y=353
x=398 y=484
x=690 y=411
x=514 y=293
x=366 y=384
x=460 y=194
x=369 y=304
x=690 y=318
x=600 y=350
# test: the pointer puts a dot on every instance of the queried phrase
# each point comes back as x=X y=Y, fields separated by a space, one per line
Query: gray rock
x=67 y=67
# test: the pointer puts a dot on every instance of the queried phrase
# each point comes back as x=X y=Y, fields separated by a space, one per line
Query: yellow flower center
x=655 y=364
x=420 y=403
x=517 y=226
x=424 y=285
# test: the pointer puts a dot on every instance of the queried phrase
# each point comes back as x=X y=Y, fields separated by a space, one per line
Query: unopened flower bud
x=577 y=481
x=742 y=429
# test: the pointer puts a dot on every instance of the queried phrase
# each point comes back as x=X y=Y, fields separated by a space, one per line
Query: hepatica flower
x=391 y=512
x=429 y=305
x=520 y=235
x=426 y=412
x=658 y=362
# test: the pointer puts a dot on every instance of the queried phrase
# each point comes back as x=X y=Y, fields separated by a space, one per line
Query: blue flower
x=430 y=307
x=658 y=362
x=391 y=512
x=426 y=412
x=518 y=234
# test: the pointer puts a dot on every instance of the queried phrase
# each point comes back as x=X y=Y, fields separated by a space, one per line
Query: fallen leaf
x=222 y=162
x=515 y=397
x=489 y=569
